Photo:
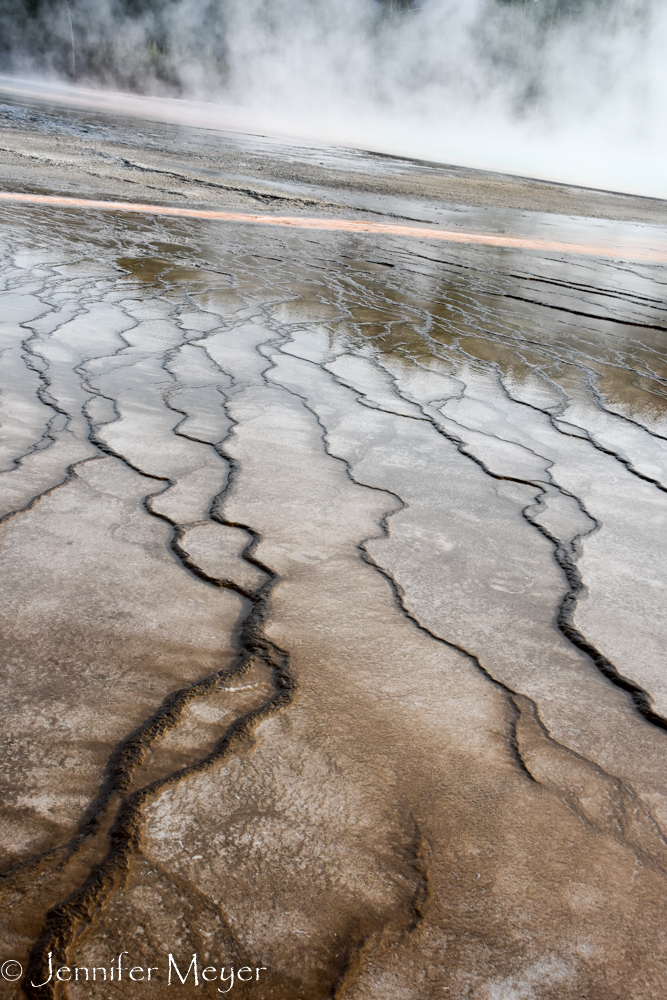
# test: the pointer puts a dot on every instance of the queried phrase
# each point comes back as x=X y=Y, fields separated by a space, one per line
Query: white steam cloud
x=569 y=90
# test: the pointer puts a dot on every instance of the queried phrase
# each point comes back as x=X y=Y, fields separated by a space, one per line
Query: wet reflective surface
x=333 y=574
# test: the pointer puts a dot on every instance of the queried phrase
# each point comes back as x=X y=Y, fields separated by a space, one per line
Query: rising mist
x=574 y=90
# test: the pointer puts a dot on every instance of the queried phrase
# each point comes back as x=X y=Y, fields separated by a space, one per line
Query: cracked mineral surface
x=333 y=580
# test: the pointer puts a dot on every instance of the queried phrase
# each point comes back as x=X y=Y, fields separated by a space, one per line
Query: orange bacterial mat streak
x=655 y=256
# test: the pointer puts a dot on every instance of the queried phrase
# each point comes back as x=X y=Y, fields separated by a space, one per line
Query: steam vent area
x=333 y=560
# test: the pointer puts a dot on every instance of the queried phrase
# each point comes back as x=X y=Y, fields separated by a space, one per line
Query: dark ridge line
x=423 y=890
x=399 y=599
x=620 y=784
x=107 y=132
x=589 y=439
x=612 y=454
x=351 y=952
x=91 y=817
x=383 y=524
x=178 y=530
x=514 y=739
x=640 y=698
x=533 y=343
x=68 y=848
x=70 y=475
x=461 y=446
x=456 y=170
x=363 y=400
x=110 y=452
x=513 y=343
x=494 y=437
x=625 y=266
x=547 y=349
x=184 y=886
x=125 y=835
x=61 y=921
x=129 y=753
x=255 y=195
x=43 y=443
x=183 y=696
x=631 y=297
x=577 y=312
x=32 y=359
x=177 y=700
x=181 y=530
x=574 y=358
x=599 y=399
x=425 y=419
x=419 y=898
